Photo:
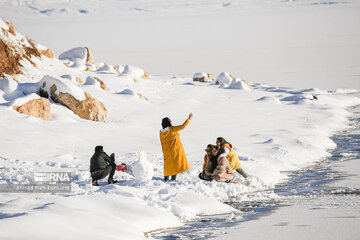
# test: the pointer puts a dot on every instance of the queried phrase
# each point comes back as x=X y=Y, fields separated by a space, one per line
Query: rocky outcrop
x=146 y=75
x=15 y=48
x=66 y=93
x=88 y=55
x=39 y=108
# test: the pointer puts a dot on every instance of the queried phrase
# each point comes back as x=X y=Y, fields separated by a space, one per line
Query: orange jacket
x=174 y=155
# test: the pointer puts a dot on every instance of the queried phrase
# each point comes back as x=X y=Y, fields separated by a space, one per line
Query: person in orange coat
x=175 y=161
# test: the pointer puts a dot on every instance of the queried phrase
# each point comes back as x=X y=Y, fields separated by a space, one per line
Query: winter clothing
x=206 y=159
x=242 y=172
x=174 y=155
x=205 y=177
x=173 y=178
x=102 y=165
x=223 y=171
x=232 y=156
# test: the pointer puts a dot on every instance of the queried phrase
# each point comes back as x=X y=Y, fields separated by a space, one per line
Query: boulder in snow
x=73 y=97
x=133 y=71
x=202 y=77
x=39 y=108
x=224 y=78
x=79 y=54
x=237 y=83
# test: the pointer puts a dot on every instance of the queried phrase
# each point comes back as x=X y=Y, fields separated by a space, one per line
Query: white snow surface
x=273 y=129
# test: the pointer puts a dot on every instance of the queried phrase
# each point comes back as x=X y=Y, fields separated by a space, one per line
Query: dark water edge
x=311 y=182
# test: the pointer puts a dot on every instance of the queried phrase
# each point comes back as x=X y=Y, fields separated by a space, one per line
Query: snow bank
x=78 y=54
x=107 y=68
x=237 y=83
x=133 y=71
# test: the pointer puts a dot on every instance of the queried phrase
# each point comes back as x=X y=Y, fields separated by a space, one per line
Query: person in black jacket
x=102 y=165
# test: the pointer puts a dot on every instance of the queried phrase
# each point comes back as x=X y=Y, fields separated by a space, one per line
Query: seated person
x=209 y=165
x=102 y=165
x=223 y=171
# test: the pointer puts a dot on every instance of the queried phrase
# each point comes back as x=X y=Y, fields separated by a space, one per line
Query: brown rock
x=90 y=108
x=117 y=70
x=78 y=80
x=247 y=84
x=142 y=97
x=146 y=75
x=12 y=30
x=89 y=55
x=231 y=76
x=102 y=84
x=39 y=108
x=48 y=52
x=135 y=81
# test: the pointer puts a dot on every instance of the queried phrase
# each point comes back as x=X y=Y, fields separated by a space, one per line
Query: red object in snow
x=121 y=167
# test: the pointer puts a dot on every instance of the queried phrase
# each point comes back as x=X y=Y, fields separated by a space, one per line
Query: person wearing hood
x=231 y=156
x=175 y=160
x=223 y=171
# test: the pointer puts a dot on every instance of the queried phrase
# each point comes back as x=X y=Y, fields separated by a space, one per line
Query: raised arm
x=181 y=127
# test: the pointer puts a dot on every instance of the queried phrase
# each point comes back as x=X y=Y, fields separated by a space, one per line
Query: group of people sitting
x=219 y=162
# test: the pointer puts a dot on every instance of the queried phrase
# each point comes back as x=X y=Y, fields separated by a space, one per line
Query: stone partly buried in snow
x=202 y=77
x=65 y=92
x=39 y=108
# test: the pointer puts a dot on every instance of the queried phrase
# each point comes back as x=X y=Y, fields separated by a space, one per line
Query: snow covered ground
x=301 y=44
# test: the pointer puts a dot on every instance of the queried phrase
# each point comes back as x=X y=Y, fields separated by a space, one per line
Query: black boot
x=95 y=183
x=111 y=181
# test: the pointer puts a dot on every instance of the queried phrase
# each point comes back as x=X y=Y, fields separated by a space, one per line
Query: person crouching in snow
x=231 y=156
x=223 y=171
x=210 y=163
x=102 y=165
x=175 y=161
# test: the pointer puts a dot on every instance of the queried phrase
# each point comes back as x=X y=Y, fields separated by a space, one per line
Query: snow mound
x=269 y=99
x=78 y=54
x=92 y=82
x=142 y=168
x=62 y=85
x=224 y=78
x=8 y=84
x=69 y=77
x=128 y=92
x=107 y=68
x=237 y=83
x=133 y=71
x=120 y=68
